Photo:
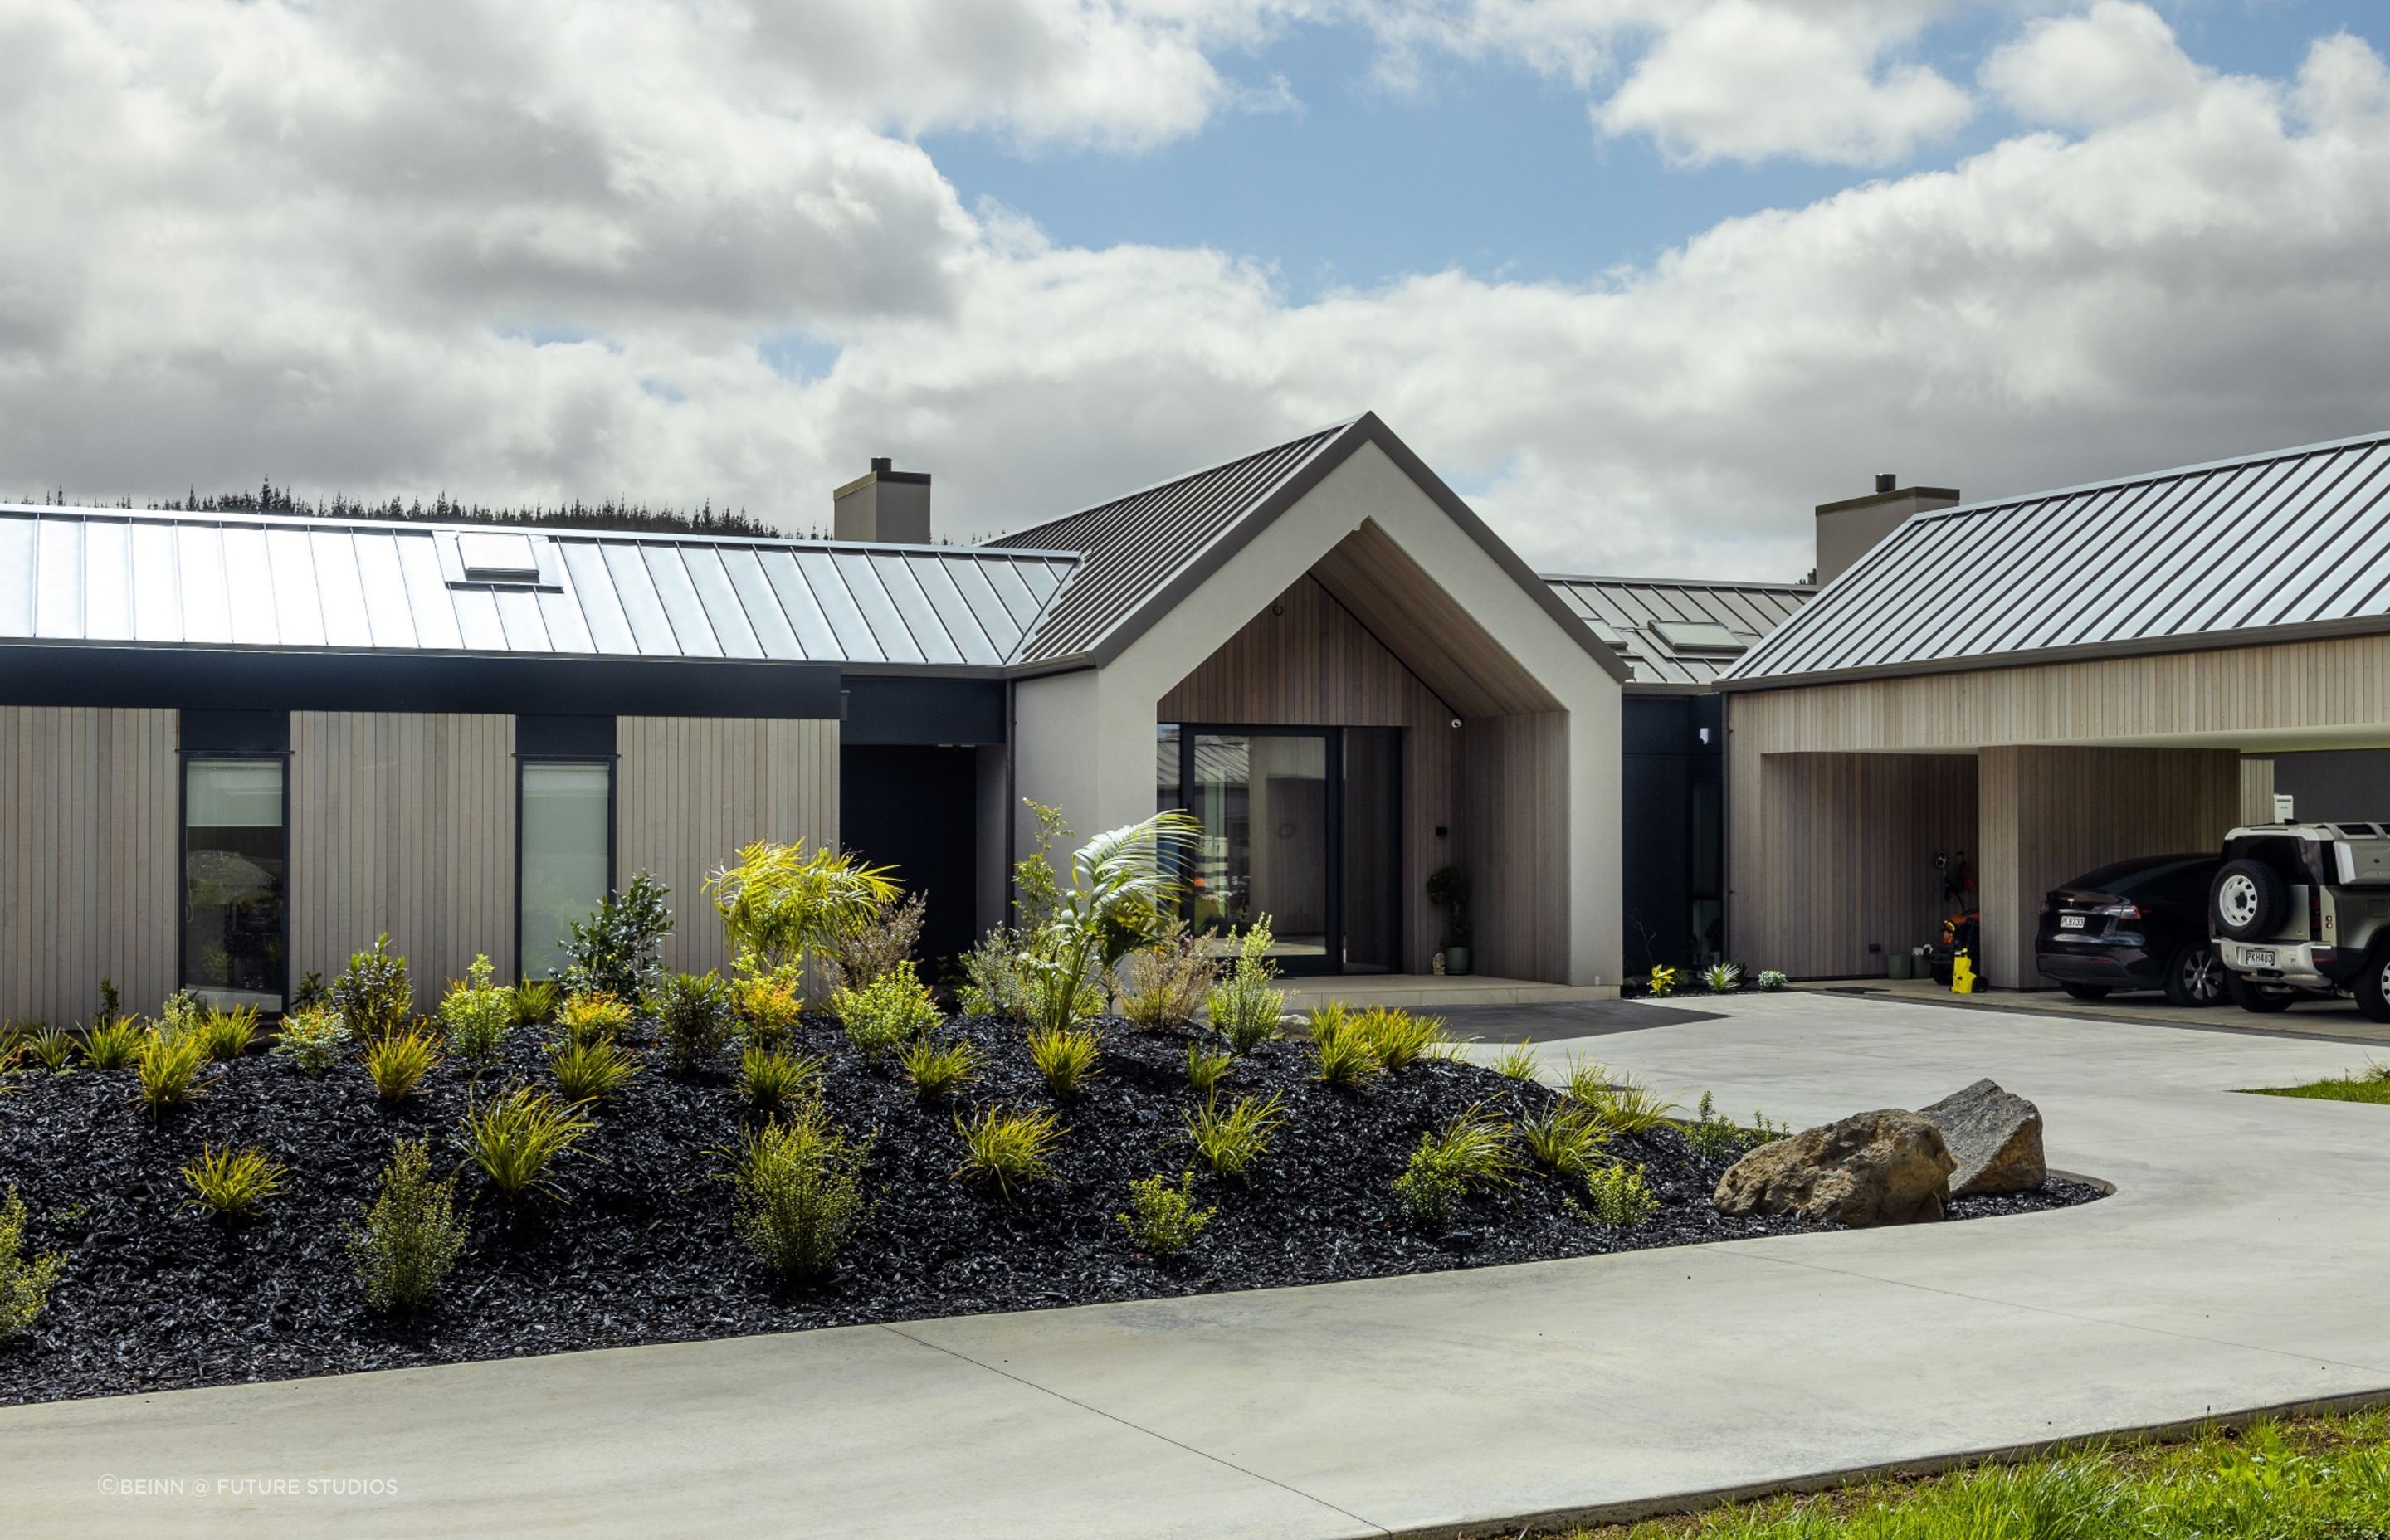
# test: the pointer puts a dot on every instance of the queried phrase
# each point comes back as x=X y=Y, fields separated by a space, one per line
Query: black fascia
x=892 y=708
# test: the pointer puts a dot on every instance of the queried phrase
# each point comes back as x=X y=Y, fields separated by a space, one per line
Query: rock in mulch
x=1994 y=1135
x=1888 y=1167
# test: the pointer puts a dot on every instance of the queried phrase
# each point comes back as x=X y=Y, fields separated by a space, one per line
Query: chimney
x=1847 y=530
x=884 y=506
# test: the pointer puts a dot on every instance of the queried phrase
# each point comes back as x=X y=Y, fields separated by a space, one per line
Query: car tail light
x=2122 y=911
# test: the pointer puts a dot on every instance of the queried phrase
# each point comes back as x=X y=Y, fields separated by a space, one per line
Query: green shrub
x=1770 y=980
x=872 y=951
x=313 y=1038
x=1400 y=1039
x=800 y=1192
x=1162 y=1219
x=398 y=1062
x=1622 y=1196
x=769 y=1008
x=112 y=1043
x=995 y=983
x=1245 y=1009
x=1518 y=1061
x=1169 y=981
x=893 y=1010
x=1626 y=1106
x=182 y=1012
x=693 y=1015
x=1124 y=887
x=1230 y=1142
x=591 y=1069
x=517 y=1138
x=1564 y=1139
x=24 y=1281
x=1205 y=1069
x=535 y=1002
x=1342 y=1055
x=1723 y=978
x=1429 y=1197
x=227 y=1034
x=589 y=1017
x=937 y=1073
x=167 y=1071
x=477 y=1016
x=782 y=904
x=773 y=1078
x=111 y=1003
x=372 y=994
x=1472 y=1152
x=1065 y=1056
x=619 y=949
x=230 y=1183
x=412 y=1235
x=56 y=1049
x=1662 y=983
x=1007 y=1148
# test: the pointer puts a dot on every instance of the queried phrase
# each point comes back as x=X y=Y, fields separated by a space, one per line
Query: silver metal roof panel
x=1638 y=609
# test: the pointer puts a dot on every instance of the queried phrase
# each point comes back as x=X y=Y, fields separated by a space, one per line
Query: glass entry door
x=1282 y=839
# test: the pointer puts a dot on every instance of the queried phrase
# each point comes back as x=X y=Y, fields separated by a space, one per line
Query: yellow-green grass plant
x=56 y=1049
x=166 y=1075
x=1400 y=1039
x=518 y=1137
x=1007 y=1147
x=1229 y=1143
x=114 y=1043
x=770 y=1079
x=1066 y=1055
x=1206 y=1068
x=1518 y=1061
x=938 y=1072
x=227 y=1034
x=1162 y=1219
x=592 y=1070
x=230 y=1183
x=1624 y=1104
x=1342 y=1054
x=396 y=1062
x=1474 y=1151
x=1564 y=1139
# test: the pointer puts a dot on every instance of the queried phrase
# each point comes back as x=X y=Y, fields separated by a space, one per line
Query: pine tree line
x=613 y=513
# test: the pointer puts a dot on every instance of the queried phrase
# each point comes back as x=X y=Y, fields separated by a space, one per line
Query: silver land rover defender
x=2303 y=909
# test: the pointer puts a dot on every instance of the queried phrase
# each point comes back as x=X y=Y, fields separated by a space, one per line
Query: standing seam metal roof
x=1632 y=607
x=100 y=575
x=2292 y=539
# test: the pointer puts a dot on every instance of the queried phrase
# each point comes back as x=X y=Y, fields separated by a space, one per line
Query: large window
x=566 y=829
x=235 y=861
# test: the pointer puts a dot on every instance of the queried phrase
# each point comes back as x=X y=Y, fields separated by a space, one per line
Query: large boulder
x=1877 y=1168
x=1995 y=1139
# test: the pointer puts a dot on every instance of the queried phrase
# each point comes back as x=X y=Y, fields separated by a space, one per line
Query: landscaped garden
x=620 y=1155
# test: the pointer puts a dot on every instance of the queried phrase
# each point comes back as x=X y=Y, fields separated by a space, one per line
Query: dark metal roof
x=2259 y=549
x=1634 y=610
x=99 y=575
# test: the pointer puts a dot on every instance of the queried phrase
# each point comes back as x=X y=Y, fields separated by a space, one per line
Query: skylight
x=1700 y=636
x=492 y=558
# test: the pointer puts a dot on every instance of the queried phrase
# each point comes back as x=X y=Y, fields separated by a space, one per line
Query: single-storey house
x=235 y=748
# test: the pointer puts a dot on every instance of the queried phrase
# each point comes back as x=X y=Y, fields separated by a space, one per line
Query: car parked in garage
x=2303 y=909
x=2137 y=924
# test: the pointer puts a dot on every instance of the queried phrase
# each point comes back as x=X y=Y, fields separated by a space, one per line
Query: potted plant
x=1448 y=888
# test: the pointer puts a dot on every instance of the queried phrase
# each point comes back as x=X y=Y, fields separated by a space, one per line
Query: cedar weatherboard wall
x=1514 y=825
x=689 y=791
x=1306 y=661
x=88 y=808
x=404 y=823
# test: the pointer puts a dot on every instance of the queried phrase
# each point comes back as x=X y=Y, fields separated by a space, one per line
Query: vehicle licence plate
x=2070 y=922
x=2256 y=957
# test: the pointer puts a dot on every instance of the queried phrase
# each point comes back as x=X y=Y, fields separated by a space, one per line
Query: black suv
x=2140 y=924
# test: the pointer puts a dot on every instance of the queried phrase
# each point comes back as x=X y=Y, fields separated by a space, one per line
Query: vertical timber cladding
x=402 y=824
x=1308 y=662
x=90 y=810
x=689 y=791
x=1515 y=801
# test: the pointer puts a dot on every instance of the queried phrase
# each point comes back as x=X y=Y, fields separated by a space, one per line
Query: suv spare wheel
x=2249 y=900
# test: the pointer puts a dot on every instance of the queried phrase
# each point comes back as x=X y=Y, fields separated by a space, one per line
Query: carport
x=2047 y=684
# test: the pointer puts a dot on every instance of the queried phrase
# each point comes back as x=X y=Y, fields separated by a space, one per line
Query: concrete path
x=2244 y=1264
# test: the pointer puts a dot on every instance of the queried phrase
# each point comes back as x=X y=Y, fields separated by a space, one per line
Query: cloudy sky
x=1645 y=279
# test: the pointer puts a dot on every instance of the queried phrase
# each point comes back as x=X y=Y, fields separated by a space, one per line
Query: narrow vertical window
x=234 y=859
x=566 y=832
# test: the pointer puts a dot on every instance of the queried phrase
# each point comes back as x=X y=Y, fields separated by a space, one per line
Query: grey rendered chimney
x=884 y=506
x=1848 y=530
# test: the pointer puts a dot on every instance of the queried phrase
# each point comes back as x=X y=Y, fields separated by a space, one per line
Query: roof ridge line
x=2145 y=477
x=1323 y=432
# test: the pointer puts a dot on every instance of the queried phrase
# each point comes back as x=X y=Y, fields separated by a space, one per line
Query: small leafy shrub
x=693 y=1014
x=618 y=950
x=1723 y=978
x=112 y=1043
x=1564 y=1139
x=1167 y=984
x=111 y=1003
x=590 y=1018
x=313 y=1038
x=372 y=994
x=517 y=1138
x=773 y=1078
x=1398 y=1038
x=1065 y=1056
x=872 y=950
x=227 y=1034
x=1662 y=983
x=1342 y=1054
x=937 y=1073
x=1622 y=1196
x=54 y=1047
x=182 y=1012
x=1472 y=1152
x=1205 y=1069
x=1518 y=1061
x=801 y=1196
x=230 y=1183
x=535 y=1002
x=24 y=1281
x=1162 y=1219
x=768 y=1008
x=1245 y=1009
x=1771 y=980
x=398 y=1062
x=1717 y=1138
x=166 y=1073
x=1041 y=991
x=592 y=1070
x=412 y=1235
x=476 y=1015
x=1626 y=1107
x=311 y=991
x=1009 y=1149
x=1429 y=1197
x=1230 y=1142
x=995 y=983
x=893 y=1010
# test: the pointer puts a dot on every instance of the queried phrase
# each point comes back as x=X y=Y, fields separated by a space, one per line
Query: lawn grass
x=2373 y=1084
x=2319 y=1477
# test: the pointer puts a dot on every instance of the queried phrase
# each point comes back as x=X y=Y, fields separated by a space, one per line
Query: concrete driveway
x=2243 y=1263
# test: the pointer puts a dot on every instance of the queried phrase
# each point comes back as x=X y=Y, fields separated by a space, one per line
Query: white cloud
x=2117 y=60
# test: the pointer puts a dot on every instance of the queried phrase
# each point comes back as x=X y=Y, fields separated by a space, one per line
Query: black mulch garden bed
x=157 y=1297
